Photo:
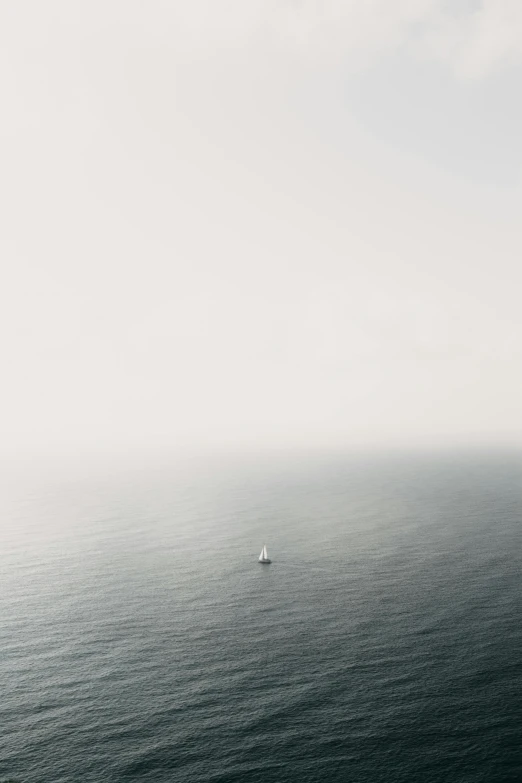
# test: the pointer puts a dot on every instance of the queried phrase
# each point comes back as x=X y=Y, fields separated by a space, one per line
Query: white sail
x=263 y=557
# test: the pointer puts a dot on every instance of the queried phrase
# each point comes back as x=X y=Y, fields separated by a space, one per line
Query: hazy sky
x=257 y=222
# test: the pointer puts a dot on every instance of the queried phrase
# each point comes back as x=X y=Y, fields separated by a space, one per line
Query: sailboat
x=263 y=557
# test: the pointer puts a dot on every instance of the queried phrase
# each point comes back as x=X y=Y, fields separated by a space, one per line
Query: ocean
x=142 y=641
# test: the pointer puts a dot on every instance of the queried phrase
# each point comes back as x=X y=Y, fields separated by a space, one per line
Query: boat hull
x=264 y=562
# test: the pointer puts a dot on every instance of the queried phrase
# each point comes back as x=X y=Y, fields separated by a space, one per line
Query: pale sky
x=260 y=223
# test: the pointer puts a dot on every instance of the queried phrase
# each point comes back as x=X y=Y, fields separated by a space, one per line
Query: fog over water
x=260 y=285
x=259 y=226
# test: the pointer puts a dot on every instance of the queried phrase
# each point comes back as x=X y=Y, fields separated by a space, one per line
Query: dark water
x=140 y=639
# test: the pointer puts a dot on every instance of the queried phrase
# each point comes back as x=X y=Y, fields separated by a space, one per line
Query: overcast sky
x=260 y=223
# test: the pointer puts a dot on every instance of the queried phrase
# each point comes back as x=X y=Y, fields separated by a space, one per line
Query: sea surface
x=140 y=640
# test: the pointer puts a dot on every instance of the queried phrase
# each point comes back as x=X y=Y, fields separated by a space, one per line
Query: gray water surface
x=141 y=640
